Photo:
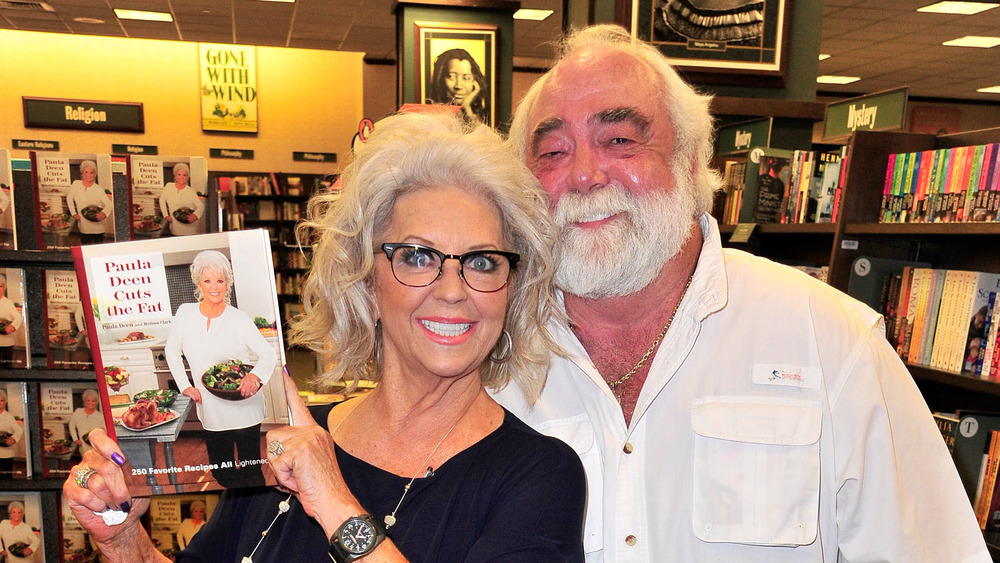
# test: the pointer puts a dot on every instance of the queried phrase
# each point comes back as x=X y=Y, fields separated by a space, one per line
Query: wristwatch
x=356 y=537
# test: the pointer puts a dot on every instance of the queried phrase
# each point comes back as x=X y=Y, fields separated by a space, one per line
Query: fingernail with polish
x=286 y=370
x=117 y=458
x=125 y=506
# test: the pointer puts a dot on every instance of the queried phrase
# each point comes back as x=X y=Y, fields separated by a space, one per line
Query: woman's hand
x=469 y=99
x=106 y=488
x=308 y=466
x=194 y=393
x=249 y=385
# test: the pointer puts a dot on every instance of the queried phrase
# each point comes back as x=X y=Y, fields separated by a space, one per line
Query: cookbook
x=188 y=354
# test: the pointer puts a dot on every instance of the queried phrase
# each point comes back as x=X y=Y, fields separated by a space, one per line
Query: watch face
x=357 y=536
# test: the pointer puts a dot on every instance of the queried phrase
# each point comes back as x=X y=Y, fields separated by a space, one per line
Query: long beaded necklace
x=652 y=347
x=389 y=519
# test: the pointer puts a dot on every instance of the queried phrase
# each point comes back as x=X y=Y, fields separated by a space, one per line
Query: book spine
x=986 y=348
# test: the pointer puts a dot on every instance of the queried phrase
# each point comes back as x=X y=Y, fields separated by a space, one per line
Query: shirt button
x=628 y=447
x=630 y=540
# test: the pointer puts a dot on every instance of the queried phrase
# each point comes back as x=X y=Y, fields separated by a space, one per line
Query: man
x=726 y=408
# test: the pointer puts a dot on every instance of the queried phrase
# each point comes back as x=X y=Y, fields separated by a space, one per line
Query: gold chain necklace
x=390 y=518
x=652 y=347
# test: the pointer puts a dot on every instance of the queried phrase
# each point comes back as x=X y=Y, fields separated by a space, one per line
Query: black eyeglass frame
x=390 y=247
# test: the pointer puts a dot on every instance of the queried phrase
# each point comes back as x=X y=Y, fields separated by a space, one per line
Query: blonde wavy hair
x=407 y=153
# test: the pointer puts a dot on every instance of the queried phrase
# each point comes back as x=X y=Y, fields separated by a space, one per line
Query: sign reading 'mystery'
x=56 y=113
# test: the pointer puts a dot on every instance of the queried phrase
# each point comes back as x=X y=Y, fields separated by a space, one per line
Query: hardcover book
x=65 y=329
x=14 y=349
x=174 y=520
x=22 y=536
x=15 y=435
x=168 y=195
x=976 y=310
x=187 y=338
x=767 y=178
x=69 y=412
x=7 y=236
x=74 y=200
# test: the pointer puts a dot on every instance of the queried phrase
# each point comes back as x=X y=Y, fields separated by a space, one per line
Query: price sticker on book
x=742 y=232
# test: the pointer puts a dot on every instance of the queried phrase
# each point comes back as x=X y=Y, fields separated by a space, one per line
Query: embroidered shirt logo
x=783 y=375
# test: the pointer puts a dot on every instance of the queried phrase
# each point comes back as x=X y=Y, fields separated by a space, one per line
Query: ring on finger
x=82 y=476
x=275 y=448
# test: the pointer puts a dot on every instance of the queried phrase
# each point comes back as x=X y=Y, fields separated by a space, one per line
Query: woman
x=13 y=432
x=208 y=333
x=180 y=204
x=89 y=204
x=427 y=455
x=458 y=81
x=190 y=526
x=85 y=419
x=13 y=531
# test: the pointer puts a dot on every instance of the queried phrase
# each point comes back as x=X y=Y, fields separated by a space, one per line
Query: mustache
x=573 y=207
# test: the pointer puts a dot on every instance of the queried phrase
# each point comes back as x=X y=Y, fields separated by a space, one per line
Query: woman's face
x=16 y=515
x=447 y=329
x=90 y=403
x=197 y=513
x=459 y=79
x=181 y=178
x=88 y=175
x=213 y=286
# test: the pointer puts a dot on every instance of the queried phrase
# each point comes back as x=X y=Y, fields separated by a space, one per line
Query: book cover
x=24 y=535
x=915 y=313
x=828 y=186
x=947 y=313
x=168 y=195
x=74 y=200
x=970 y=442
x=767 y=176
x=66 y=344
x=947 y=424
x=69 y=412
x=7 y=236
x=932 y=315
x=982 y=345
x=15 y=435
x=76 y=545
x=179 y=326
x=902 y=311
x=977 y=307
x=983 y=370
x=987 y=483
x=14 y=342
x=174 y=520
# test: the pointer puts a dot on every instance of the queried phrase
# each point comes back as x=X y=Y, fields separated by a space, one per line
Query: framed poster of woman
x=456 y=65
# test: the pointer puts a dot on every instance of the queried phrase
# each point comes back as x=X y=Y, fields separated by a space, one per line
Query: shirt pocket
x=578 y=432
x=756 y=470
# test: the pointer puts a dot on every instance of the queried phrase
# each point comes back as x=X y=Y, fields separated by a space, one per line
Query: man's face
x=601 y=142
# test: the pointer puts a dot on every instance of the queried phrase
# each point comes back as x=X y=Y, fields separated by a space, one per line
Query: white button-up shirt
x=776 y=424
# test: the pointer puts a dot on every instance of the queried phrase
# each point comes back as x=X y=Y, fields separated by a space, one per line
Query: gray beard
x=626 y=254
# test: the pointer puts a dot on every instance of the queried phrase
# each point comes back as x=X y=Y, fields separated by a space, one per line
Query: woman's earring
x=502 y=351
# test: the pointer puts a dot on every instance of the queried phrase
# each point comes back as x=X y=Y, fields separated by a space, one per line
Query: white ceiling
x=885 y=42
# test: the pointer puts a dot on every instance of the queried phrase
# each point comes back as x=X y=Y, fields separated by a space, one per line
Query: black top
x=514 y=496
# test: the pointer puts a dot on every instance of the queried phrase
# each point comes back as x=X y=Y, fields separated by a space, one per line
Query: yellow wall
x=308 y=100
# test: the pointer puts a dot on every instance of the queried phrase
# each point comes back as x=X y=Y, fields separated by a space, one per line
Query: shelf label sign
x=134 y=149
x=34 y=145
x=54 y=113
x=741 y=234
x=739 y=137
x=302 y=156
x=239 y=154
x=882 y=111
x=228 y=87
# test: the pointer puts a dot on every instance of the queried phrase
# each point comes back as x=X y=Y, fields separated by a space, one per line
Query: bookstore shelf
x=787 y=229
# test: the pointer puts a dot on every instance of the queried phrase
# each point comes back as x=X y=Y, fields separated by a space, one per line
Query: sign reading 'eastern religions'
x=228 y=88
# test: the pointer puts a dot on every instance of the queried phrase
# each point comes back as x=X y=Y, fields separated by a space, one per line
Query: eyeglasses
x=416 y=265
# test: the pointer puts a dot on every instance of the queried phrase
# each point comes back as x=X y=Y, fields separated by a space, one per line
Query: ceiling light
x=966 y=8
x=990 y=90
x=143 y=15
x=831 y=79
x=88 y=20
x=532 y=14
x=974 y=41
x=823 y=56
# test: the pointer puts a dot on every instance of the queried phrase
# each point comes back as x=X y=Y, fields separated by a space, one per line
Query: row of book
x=941 y=319
x=781 y=186
x=973 y=438
x=959 y=184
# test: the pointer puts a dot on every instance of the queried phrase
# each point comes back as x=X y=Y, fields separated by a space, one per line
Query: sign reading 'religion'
x=228 y=88
x=56 y=113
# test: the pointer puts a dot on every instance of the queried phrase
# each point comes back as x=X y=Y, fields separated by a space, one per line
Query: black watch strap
x=345 y=552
